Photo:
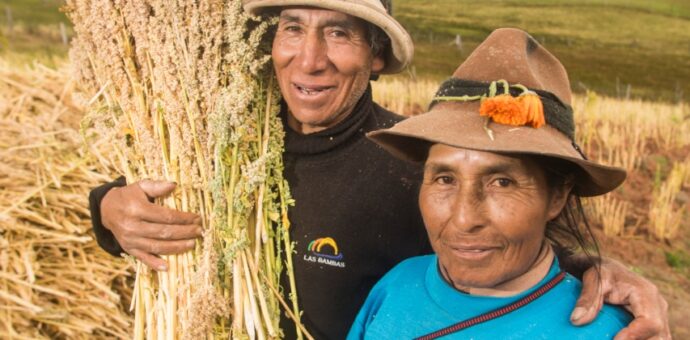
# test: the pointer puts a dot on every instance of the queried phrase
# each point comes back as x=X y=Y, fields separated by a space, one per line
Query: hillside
x=619 y=48
x=604 y=44
x=31 y=29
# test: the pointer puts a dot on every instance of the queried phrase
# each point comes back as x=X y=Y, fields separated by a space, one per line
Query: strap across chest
x=496 y=313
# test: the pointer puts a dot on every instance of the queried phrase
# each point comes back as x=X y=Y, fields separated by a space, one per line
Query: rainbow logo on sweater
x=324 y=251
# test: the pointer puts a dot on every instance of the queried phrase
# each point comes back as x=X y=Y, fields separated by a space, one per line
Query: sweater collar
x=458 y=303
x=328 y=139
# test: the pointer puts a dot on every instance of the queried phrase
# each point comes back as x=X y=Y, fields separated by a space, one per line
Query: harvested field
x=55 y=281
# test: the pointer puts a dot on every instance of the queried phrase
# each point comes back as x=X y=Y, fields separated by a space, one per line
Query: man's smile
x=311 y=90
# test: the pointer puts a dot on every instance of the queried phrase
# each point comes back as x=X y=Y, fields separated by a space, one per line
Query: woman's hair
x=570 y=231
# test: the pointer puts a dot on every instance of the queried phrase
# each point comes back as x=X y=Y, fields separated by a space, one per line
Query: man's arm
x=104 y=237
x=616 y=285
x=125 y=219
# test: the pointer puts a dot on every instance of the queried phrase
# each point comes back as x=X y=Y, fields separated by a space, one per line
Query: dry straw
x=55 y=282
x=184 y=90
x=621 y=132
x=626 y=133
x=665 y=215
x=610 y=212
x=404 y=96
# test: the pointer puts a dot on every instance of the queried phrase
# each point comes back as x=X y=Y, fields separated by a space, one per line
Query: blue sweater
x=413 y=300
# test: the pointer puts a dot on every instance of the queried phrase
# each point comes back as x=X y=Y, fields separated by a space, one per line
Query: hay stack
x=55 y=281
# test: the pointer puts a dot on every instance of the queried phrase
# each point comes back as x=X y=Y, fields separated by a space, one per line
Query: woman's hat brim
x=401 y=50
x=460 y=125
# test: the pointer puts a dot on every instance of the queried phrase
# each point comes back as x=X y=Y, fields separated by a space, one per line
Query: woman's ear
x=559 y=197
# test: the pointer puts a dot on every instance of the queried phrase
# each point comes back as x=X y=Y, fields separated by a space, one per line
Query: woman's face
x=485 y=213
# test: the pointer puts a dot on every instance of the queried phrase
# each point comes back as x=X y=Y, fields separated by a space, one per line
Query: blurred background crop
x=628 y=61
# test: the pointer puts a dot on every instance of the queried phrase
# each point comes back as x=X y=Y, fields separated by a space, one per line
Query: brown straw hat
x=398 y=54
x=513 y=80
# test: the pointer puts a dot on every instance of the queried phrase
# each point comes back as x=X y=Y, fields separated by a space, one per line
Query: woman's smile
x=471 y=252
x=485 y=213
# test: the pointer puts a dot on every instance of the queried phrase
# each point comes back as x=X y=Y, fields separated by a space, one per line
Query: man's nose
x=469 y=210
x=314 y=54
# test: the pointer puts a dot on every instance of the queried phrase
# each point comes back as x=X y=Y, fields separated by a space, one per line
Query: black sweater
x=351 y=195
x=350 y=190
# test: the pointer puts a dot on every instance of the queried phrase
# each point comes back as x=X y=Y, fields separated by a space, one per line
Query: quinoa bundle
x=185 y=90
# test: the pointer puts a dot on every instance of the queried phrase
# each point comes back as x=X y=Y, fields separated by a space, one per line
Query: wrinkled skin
x=146 y=230
x=478 y=208
x=486 y=215
x=323 y=62
x=620 y=286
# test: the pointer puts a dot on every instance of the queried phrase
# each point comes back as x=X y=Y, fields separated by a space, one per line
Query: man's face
x=323 y=62
x=485 y=214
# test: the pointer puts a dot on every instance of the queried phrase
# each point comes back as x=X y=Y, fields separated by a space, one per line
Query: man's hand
x=144 y=229
x=619 y=286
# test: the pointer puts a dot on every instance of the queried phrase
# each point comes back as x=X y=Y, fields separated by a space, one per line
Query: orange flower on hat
x=534 y=109
x=504 y=109
x=526 y=109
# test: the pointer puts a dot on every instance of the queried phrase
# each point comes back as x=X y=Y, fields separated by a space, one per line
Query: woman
x=502 y=182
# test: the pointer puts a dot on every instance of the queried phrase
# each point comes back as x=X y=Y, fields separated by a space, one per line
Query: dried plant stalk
x=665 y=215
x=55 y=282
x=184 y=87
x=610 y=212
x=403 y=95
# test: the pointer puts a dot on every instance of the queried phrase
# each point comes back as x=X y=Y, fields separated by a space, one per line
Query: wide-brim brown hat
x=398 y=54
x=507 y=57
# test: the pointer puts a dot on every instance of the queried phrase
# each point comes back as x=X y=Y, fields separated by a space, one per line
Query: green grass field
x=638 y=48
x=604 y=44
x=31 y=30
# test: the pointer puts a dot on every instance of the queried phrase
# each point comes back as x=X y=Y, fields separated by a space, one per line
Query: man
x=356 y=213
